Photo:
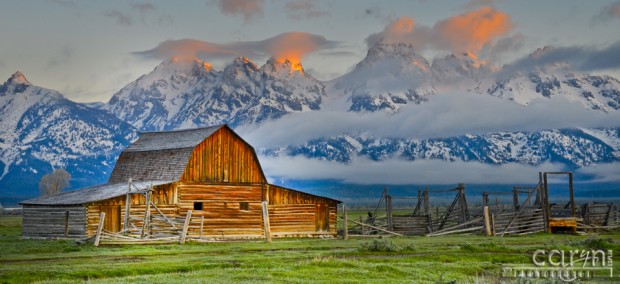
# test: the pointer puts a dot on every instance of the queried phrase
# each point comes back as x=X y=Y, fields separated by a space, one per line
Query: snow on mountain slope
x=188 y=93
x=598 y=92
x=574 y=148
x=390 y=75
x=41 y=130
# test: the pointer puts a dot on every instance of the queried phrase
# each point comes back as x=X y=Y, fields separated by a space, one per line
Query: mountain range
x=40 y=129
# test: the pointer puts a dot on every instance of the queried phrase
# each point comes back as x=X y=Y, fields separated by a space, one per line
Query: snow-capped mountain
x=392 y=75
x=575 y=148
x=185 y=93
x=41 y=130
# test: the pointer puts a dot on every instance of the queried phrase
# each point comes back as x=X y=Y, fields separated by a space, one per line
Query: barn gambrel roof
x=159 y=155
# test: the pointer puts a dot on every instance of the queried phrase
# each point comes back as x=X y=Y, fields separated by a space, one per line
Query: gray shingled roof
x=91 y=194
x=177 y=139
x=159 y=155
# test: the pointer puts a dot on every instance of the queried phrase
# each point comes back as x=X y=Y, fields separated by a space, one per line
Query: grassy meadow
x=446 y=259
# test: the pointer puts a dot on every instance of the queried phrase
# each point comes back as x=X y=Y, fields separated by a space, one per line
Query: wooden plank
x=487 y=221
x=99 y=229
x=266 y=221
x=66 y=223
x=377 y=228
x=188 y=218
x=344 y=222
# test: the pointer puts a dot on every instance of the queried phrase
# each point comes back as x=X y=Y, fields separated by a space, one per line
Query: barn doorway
x=112 y=222
x=322 y=218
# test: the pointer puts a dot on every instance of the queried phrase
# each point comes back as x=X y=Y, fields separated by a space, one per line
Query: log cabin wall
x=223 y=157
x=228 y=210
x=294 y=213
x=42 y=221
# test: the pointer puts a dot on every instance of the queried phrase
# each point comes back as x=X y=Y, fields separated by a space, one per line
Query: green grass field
x=449 y=259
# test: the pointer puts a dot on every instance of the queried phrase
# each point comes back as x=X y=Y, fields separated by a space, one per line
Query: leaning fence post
x=188 y=218
x=487 y=221
x=99 y=229
x=266 y=221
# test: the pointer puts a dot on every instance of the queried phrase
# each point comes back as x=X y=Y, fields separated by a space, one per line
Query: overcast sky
x=88 y=50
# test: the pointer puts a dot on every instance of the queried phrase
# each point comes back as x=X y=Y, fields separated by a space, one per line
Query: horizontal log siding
x=294 y=213
x=221 y=209
x=223 y=157
x=49 y=221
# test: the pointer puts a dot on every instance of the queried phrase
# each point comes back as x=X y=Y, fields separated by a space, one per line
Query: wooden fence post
x=493 y=225
x=266 y=221
x=344 y=222
x=487 y=221
x=127 y=206
x=66 y=224
x=99 y=229
x=202 y=222
x=188 y=219
x=390 y=219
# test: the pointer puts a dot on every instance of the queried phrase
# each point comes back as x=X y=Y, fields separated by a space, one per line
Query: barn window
x=244 y=206
x=197 y=205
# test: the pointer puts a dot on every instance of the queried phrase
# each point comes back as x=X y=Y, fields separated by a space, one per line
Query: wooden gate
x=322 y=218
x=112 y=222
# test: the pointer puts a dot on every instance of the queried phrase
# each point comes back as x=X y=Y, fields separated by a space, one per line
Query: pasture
x=446 y=259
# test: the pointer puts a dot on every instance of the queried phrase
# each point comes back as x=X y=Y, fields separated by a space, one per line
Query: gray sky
x=88 y=50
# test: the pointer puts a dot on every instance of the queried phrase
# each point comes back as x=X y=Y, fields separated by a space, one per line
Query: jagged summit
x=18 y=78
x=283 y=66
x=187 y=65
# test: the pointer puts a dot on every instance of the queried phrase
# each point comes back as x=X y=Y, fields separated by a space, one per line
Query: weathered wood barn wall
x=211 y=171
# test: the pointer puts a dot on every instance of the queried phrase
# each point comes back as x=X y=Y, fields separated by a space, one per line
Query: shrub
x=380 y=245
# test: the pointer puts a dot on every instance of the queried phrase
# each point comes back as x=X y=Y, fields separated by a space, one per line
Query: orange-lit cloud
x=292 y=46
x=467 y=32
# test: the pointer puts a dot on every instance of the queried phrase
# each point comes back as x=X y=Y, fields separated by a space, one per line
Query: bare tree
x=54 y=183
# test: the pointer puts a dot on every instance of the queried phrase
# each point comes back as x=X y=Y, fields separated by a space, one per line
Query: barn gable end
x=223 y=157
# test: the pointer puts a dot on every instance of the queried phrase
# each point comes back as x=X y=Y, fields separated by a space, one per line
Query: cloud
x=467 y=32
x=608 y=13
x=143 y=7
x=145 y=12
x=580 y=58
x=299 y=9
x=283 y=45
x=442 y=116
x=495 y=50
x=602 y=173
x=120 y=17
x=374 y=12
x=395 y=171
x=249 y=9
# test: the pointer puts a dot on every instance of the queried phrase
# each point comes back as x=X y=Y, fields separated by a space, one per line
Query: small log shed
x=211 y=171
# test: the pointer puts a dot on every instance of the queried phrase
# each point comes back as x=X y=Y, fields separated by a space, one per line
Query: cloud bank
x=296 y=44
x=300 y=9
x=467 y=32
x=443 y=116
x=580 y=58
x=364 y=171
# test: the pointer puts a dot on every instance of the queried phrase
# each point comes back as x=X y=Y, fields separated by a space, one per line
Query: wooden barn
x=207 y=177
